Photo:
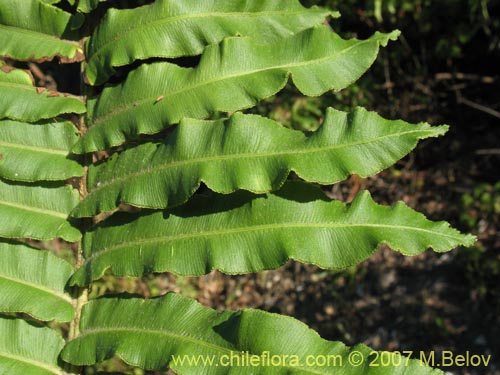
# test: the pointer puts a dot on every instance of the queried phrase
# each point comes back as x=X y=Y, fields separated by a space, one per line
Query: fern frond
x=153 y=30
x=28 y=350
x=34 y=30
x=38 y=212
x=37 y=152
x=242 y=233
x=23 y=102
x=149 y=333
x=248 y=152
x=33 y=281
x=232 y=75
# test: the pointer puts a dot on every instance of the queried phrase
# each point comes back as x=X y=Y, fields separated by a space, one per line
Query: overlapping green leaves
x=23 y=102
x=242 y=233
x=28 y=350
x=33 y=281
x=159 y=333
x=232 y=75
x=33 y=30
x=38 y=212
x=34 y=147
x=248 y=152
x=153 y=31
x=37 y=152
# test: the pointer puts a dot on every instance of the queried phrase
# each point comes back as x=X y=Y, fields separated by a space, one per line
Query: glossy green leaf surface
x=28 y=350
x=242 y=233
x=248 y=152
x=232 y=75
x=37 y=152
x=159 y=333
x=32 y=30
x=32 y=281
x=153 y=30
x=37 y=212
x=23 y=102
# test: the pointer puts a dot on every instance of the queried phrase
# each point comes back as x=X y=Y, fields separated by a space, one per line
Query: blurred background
x=445 y=69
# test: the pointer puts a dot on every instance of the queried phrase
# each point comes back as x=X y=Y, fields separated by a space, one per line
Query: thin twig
x=479 y=107
x=488 y=151
x=466 y=77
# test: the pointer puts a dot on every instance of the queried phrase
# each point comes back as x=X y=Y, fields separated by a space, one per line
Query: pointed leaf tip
x=222 y=83
x=227 y=232
x=258 y=156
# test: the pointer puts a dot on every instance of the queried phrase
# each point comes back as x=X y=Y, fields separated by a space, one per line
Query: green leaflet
x=28 y=350
x=32 y=30
x=37 y=152
x=86 y=6
x=242 y=233
x=147 y=333
x=152 y=31
x=233 y=75
x=37 y=212
x=32 y=281
x=248 y=152
x=23 y=102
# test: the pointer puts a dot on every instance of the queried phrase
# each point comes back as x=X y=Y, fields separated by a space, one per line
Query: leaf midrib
x=173 y=19
x=34 y=89
x=232 y=231
x=41 y=149
x=42 y=35
x=19 y=86
x=152 y=99
x=34 y=209
x=251 y=156
x=38 y=287
x=177 y=336
x=32 y=362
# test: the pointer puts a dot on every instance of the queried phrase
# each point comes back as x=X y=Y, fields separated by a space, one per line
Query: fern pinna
x=254 y=218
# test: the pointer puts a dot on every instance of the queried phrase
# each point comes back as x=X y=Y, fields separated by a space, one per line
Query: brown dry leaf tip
x=159 y=98
x=78 y=57
x=1 y=157
x=31 y=58
x=7 y=68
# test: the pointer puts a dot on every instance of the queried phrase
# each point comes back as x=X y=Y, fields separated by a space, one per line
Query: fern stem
x=81 y=294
